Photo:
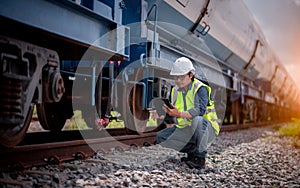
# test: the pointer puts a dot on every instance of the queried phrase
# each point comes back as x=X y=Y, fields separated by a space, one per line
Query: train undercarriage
x=33 y=76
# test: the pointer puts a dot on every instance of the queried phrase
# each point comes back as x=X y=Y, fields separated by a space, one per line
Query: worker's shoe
x=189 y=157
x=196 y=162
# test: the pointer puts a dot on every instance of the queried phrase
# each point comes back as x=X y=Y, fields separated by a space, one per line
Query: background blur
x=280 y=22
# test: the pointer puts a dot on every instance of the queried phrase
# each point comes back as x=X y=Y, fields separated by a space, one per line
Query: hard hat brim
x=172 y=73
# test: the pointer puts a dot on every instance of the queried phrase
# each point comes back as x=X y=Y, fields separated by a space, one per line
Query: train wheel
x=135 y=117
x=51 y=116
x=88 y=114
x=91 y=113
x=12 y=136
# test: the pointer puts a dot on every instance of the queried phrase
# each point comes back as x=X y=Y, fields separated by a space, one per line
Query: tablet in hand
x=167 y=102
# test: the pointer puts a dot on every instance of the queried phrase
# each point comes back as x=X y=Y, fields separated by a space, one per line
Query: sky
x=280 y=22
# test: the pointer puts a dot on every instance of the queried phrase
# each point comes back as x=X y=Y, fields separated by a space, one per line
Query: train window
x=183 y=2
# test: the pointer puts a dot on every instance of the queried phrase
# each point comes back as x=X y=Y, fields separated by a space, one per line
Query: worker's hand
x=172 y=112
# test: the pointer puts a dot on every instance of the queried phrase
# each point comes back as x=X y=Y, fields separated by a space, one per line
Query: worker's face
x=184 y=80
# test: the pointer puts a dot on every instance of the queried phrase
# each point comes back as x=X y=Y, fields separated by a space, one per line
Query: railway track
x=55 y=151
x=54 y=148
x=232 y=162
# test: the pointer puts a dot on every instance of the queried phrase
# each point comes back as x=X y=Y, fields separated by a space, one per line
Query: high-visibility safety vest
x=177 y=101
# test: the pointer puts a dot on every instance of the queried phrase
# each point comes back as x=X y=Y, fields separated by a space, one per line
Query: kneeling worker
x=196 y=124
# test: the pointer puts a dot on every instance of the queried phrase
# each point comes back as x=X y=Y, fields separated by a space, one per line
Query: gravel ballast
x=256 y=157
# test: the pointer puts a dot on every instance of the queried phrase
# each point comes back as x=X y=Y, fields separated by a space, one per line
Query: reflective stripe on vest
x=177 y=100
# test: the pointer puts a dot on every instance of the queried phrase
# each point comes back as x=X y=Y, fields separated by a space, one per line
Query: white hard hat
x=182 y=66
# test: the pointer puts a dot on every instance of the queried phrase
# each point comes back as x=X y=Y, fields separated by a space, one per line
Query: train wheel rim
x=51 y=116
x=134 y=116
x=12 y=137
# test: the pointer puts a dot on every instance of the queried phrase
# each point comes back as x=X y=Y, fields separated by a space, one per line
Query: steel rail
x=43 y=152
x=22 y=157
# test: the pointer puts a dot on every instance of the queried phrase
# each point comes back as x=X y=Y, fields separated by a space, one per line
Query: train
x=102 y=55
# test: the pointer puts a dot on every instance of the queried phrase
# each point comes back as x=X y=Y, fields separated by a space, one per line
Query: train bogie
x=36 y=38
x=29 y=74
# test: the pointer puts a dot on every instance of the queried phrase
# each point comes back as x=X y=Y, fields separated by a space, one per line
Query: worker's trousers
x=193 y=139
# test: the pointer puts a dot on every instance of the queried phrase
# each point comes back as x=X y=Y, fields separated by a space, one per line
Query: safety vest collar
x=193 y=85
